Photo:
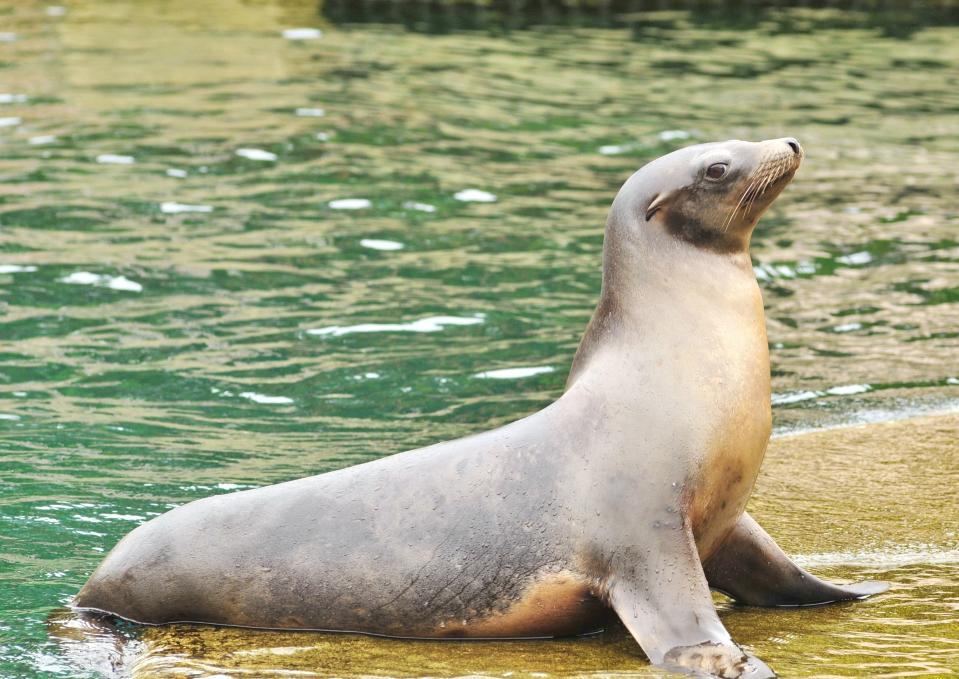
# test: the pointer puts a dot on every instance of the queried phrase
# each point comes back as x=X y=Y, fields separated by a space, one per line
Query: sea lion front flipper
x=751 y=568
x=665 y=604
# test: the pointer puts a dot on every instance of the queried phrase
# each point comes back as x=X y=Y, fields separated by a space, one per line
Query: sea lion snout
x=779 y=158
x=778 y=161
x=793 y=143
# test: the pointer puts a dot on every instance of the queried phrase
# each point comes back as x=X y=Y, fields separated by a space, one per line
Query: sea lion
x=625 y=496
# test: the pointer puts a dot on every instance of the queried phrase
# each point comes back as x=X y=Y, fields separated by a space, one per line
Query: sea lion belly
x=555 y=604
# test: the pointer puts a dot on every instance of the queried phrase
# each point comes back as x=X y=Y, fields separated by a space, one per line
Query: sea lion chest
x=734 y=423
x=680 y=377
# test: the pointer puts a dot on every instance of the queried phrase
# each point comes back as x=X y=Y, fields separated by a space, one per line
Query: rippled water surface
x=234 y=253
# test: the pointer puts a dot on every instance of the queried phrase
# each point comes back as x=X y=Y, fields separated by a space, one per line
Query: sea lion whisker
x=755 y=193
x=732 y=213
x=766 y=180
x=765 y=185
x=769 y=177
x=729 y=216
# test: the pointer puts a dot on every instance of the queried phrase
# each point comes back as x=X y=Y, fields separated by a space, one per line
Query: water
x=231 y=256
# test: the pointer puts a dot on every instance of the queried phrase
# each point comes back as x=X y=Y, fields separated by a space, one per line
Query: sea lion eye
x=716 y=170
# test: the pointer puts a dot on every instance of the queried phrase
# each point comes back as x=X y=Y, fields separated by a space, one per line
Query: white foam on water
x=16 y=268
x=48 y=662
x=514 y=373
x=323 y=136
x=794 y=397
x=856 y=258
x=848 y=389
x=83 y=278
x=173 y=208
x=42 y=139
x=422 y=207
x=428 y=324
x=230 y=486
x=7 y=98
x=256 y=154
x=302 y=33
x=475 y=196
x=765 y=272
x=124 y=517
x=123 y=283
x=115 y=159
x=350 y=204
x=376 y=244
x=6 y=36
x=809 y=394
x=876 y=416
x=846 y=327
x=615 y=149
x=10 y=121
x=176 y=172
x=56 y=11
x=673 y=135
x=311 y=112
x=102 y=281
x=9 y=416
x=264 y=399
x=66 y=505
x=785 y=271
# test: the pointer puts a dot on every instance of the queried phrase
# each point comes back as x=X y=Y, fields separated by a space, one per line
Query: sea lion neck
x=652 y=272
x=637 y=254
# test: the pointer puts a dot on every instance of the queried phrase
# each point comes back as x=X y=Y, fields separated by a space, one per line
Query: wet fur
x=612 y=497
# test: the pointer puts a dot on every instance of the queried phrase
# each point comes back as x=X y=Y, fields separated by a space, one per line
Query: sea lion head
x=709 y=195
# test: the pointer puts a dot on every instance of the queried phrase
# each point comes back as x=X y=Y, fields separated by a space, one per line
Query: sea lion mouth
x=776 y=169
x=778 y=165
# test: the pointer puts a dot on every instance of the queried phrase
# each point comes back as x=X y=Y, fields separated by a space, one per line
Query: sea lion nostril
x=794 y=145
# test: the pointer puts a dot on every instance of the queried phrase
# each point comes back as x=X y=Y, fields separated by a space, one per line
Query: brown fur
x=555 y=605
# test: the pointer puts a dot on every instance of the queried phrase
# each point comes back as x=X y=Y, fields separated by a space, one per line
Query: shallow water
x=190 y=308
x=863 y=502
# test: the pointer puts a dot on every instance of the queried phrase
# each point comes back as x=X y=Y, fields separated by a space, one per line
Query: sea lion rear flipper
x=665 y=604
x=751 y=568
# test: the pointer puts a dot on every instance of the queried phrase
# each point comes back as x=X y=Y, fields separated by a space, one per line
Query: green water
x=180 y=320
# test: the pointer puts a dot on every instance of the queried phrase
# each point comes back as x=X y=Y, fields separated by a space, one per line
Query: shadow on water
x=892 y=18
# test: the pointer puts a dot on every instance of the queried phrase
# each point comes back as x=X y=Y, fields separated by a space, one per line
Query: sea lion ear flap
x=659 y=200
